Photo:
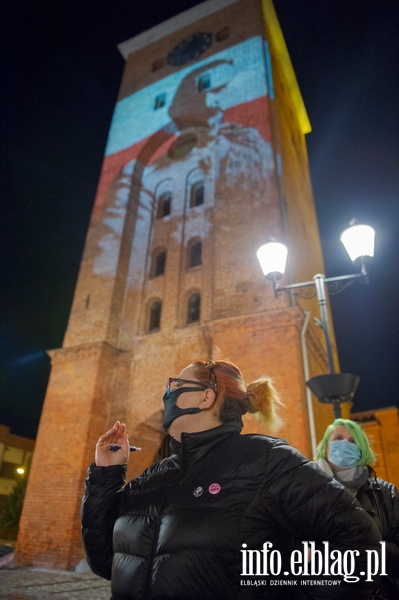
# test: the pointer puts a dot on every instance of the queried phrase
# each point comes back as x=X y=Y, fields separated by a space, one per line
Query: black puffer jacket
x=381 y=500
x=177 y=531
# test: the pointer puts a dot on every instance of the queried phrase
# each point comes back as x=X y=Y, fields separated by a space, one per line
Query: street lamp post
x=332 y=388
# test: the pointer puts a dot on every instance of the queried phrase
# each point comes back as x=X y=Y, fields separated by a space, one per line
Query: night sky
x=60 y=75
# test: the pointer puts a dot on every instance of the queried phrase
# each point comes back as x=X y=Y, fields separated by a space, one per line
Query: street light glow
x=272 y=258
x=358 y=241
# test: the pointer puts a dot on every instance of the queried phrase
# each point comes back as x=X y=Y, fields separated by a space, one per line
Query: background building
x=382 y=428
x=15 y=459
x=15 y=453
x=206 y=160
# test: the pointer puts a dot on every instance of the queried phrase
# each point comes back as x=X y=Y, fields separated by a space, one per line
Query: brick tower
x=206 y=160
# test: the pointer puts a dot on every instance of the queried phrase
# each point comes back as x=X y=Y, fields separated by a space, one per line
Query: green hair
x=366 y=454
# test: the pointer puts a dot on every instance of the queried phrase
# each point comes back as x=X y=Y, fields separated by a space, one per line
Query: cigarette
x=115 y=448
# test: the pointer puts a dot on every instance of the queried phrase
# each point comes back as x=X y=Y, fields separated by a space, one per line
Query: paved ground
x=25 y=583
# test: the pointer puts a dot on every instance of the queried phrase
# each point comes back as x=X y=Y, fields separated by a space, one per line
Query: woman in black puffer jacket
x=226 y=516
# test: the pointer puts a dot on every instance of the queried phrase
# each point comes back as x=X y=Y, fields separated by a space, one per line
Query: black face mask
x=172 y=411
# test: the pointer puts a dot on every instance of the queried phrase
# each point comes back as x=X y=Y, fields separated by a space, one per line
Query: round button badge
x=214 y=488
x=198 y=492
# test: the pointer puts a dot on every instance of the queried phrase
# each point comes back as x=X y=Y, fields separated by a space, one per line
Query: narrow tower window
x=158 y=263
x=193 y=308
x=164 y=205
x=155 y=316
x=197 y=194
x=194 y=253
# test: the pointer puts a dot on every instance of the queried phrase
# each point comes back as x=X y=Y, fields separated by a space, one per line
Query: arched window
x=197 y=194
x=194 y=253
x=158 y=263
x=155 y=316
x=193 y=308
x=164 y=205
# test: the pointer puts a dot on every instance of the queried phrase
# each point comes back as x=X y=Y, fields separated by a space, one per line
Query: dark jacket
x=178 y=530
x=381 y=500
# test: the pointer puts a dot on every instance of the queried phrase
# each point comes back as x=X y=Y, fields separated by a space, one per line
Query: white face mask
x=344 y=454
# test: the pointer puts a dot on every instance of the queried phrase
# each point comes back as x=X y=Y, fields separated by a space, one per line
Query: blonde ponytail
x=265 y=402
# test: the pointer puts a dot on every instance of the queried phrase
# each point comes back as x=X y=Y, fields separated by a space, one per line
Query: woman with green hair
x=345 y=454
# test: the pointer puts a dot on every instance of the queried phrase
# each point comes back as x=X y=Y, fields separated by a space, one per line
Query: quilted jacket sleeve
x=100 y=506
x=390 y=502
x=314 y=507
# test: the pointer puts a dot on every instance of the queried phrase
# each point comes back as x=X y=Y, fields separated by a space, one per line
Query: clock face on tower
x=189 y=48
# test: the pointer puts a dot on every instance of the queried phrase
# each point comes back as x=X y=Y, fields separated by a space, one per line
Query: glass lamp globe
x=358 y=241
x=272 y=258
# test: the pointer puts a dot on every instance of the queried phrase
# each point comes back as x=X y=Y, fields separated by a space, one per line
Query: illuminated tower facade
x=206 y=160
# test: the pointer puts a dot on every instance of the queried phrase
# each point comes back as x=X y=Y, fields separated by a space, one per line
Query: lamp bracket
x=335 y=285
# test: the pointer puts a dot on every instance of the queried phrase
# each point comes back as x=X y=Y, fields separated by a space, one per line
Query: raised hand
x=115 y=436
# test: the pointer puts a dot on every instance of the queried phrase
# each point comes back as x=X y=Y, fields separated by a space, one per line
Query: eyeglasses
x=178 y=380
x=213 y=383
